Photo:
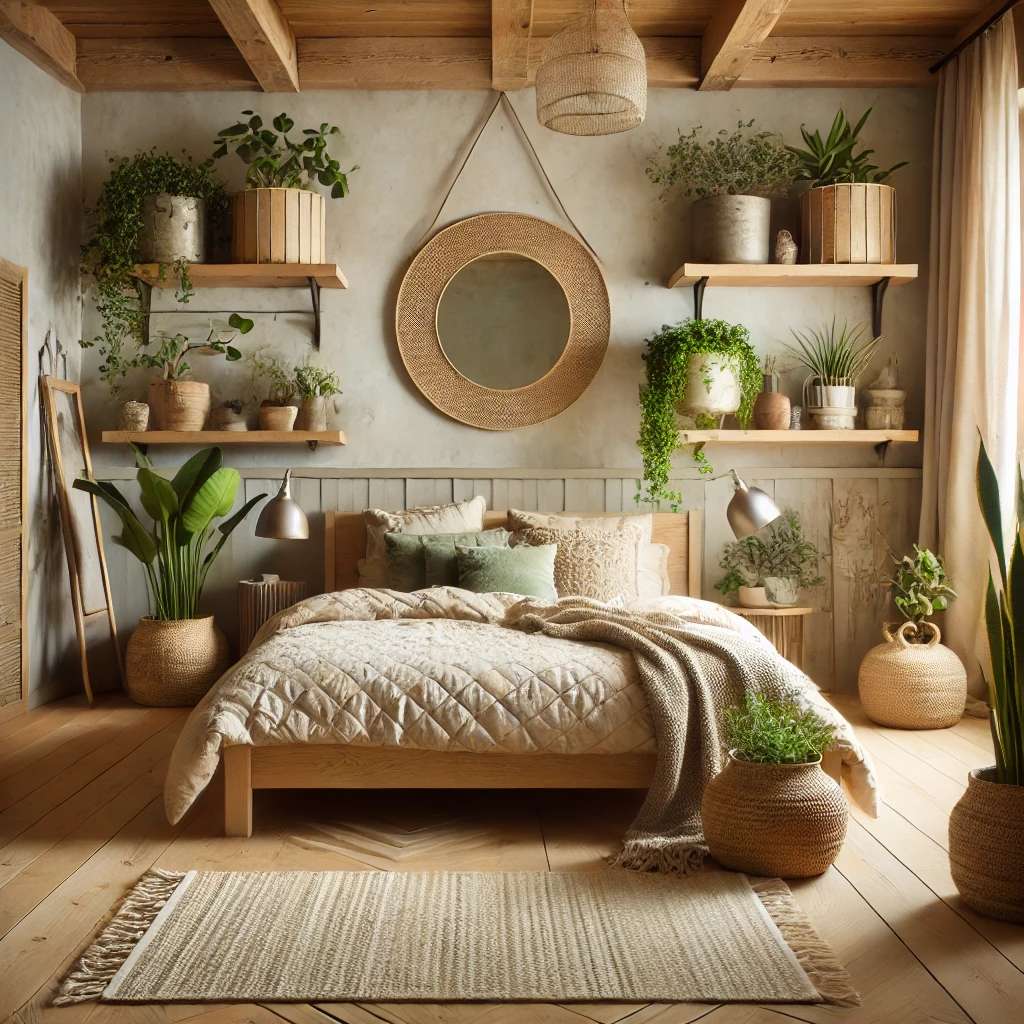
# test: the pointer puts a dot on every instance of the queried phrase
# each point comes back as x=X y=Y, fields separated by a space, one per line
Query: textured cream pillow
x=652 y=559
x=458 y=517
x=596 y=563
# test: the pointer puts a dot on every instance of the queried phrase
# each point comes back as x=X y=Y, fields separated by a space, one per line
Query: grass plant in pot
x=767 y=569
x=911 y=681
x=772 y=810
x=734 y=175
x=315 y=387
x=986 y=827
x=270 y=375
x=175 y=655
x=696 y=373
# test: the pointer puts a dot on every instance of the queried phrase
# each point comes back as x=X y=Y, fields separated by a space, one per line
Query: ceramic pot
x=772 y=411
x=731 y=229
x=173 y=662
x=753 y=597
x=781 y=592
x=905 y=685
x=277 y=417
x=278 y=225
x=313 y=414
x=849 y=223
x=786 y=821
x=886 y=409
x=173 y=228
x=179 y=404
x=225 y=418
x=134 y=416
x=712 y=388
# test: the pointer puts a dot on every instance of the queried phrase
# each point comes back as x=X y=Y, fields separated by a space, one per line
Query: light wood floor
x=81 y=818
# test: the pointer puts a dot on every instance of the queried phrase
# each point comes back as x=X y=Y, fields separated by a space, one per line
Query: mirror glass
x=503 y=321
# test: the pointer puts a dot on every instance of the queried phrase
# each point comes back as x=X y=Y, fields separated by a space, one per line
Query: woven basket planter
x=133 y=416
x=849 y=223
x=174 y=662
x=179 y=404
x=278 y=225
x=904 y=685
x=986 y=846
x=781 y=820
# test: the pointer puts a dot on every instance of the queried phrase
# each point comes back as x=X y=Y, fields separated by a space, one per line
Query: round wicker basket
x=905 y=685
x=133 y=416
x=173 y=662
x=782 y=820
x=179 y=404
x=986 y=846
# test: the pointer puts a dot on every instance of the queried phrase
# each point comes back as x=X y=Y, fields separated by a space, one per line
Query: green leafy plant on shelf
x=831 y=161
x=275 y=161
x=271 y=378
x=920 y=587
x=315 y=382
x=739 y=163
x=1004 y=622
x=780 y=551
x=835 y=358
x=175 y=550
x=169 y=355
x=773 y=730
x=111 y=248
x=666 y=368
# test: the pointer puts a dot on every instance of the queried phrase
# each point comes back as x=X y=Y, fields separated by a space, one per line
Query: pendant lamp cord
x=501 y=97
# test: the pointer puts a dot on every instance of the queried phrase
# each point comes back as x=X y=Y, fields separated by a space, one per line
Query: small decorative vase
x=906 y=685
x=179 y=404
x=771 y=411
x=277 y=417
x=986 y=846
x=173 y=662
x=312 y=414
x=134 y=416
x=780 y=820
x=225 y=418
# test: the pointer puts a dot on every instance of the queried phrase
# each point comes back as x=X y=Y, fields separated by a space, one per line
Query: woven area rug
x=372 y=936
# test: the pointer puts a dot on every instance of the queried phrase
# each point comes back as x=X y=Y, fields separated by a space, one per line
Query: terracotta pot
x=786 y=820
x=849 y=223
x=134 y=416
x=277 y=417
x=278 y=225
x=986 y=846
x=313 y=414
x=174 y=662
x=179 y=404
x=771 y=411
x=907 y=685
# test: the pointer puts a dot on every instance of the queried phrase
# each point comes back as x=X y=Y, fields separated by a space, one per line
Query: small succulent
x=831 y=160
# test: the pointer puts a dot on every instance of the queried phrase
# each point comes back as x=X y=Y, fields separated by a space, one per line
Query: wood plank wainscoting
x=854 y=515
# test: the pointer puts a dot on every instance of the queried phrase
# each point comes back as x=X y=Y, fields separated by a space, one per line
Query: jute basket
x=173 y=662
x=986 y=846
x=905 y=685
x=133 y=416
x=782 y=820
x=179 y=404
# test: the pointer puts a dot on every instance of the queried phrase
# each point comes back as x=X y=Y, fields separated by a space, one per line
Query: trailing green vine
x=667 y=362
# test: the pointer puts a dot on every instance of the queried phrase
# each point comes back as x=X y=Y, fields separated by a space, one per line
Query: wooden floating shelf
x=799 y=275
x=144 y=438
x=796 y=436
x=246 y=275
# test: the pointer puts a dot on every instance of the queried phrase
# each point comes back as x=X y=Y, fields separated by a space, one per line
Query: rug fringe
x=104 y=956
x=669 y=858
x=814 y=954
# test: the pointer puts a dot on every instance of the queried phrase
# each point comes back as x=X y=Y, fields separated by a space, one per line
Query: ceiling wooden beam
x=38 y=34
x=511 y=25
x=736 y=30
x=264 y=38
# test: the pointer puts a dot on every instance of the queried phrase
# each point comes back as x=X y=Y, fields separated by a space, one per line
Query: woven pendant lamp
x=592 y=79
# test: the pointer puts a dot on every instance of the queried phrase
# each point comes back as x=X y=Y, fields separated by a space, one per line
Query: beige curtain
x=973 y=318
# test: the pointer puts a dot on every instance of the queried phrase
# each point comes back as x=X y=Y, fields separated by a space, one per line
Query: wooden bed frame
x=329 y=766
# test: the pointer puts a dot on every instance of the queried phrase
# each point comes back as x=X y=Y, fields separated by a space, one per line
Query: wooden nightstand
x=784 y=627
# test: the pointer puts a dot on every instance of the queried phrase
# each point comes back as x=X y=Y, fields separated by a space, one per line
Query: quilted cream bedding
x=436 y=670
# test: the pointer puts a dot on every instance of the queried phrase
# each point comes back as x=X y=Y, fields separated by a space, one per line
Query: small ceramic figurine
x=785 y=248
x=889 y=378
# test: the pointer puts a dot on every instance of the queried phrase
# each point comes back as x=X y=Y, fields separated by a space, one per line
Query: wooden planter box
x=278 y=225
x=853 y=223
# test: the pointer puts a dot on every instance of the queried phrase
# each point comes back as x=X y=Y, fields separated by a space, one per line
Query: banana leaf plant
x=1004 y=620
x=175 y=551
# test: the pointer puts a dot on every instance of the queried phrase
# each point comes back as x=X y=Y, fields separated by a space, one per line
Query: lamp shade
x=592 y=78
x=750 y=510
x=282 y=517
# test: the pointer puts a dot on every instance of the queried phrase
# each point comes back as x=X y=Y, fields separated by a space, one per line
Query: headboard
x=345 y=545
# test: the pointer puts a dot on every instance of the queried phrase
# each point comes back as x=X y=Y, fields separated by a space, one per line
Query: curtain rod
x=957 y=50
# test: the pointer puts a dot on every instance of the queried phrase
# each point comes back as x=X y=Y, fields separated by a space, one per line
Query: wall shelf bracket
x=698 y=298
x=314 y=291
x=877 y=300
x=882 y=448
x=312 y=444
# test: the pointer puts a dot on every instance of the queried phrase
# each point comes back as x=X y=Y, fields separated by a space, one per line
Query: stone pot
x=781 y=592
x=772 y=411
x=712 y=388
x=179 y=404
x=134 y=416
x=173 y=228
x=731 y=229
x=986 y=846
x=886 y=408
x=905 y=685
x=174 y=662
x=223 y=417
x=313 y=414
x=779 y=820
x=277 y=417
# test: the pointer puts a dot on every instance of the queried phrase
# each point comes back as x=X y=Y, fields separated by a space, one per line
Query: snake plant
x=173 y=550
x=1004 y=621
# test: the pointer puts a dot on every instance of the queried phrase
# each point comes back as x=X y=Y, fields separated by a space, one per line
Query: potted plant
x=174 y=657
x=735 y=176
x=275 y=411
x=767 y=569
x=836 y=361
x=772 y=810
x=697 y=372
x=986 y=827
x=279 y=219
x=848 y=215
x=314 y=386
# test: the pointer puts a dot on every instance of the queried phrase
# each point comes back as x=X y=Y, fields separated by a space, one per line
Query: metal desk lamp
x=750 y=509
x=282 y=517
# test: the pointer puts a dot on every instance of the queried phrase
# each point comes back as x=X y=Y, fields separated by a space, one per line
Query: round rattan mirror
x=503 y=320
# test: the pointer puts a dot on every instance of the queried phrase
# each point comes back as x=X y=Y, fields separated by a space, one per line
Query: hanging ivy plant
x=111 y=248
x=667 y=362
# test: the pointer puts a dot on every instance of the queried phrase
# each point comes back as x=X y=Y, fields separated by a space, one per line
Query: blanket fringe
x=669 y=858
x=105 y=955
x=813 y=953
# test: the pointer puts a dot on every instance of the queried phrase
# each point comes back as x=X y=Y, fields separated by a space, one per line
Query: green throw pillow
x=529 y=571
x=412 y=566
